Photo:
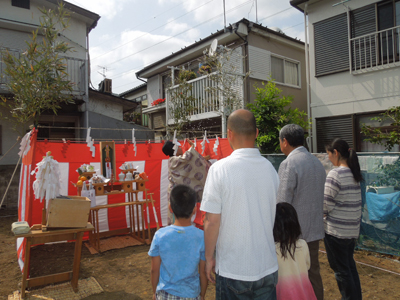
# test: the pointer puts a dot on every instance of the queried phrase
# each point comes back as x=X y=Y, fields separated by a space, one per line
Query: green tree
x=388 y=137
x=224 y=82
x=182 y=102
x=272 y=112
x=38 y=78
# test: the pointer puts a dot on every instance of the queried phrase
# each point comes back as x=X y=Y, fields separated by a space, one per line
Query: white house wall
x=343 y=93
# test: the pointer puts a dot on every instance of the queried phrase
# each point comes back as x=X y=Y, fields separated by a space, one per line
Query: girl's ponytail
x=347 y=153
x=352 y=162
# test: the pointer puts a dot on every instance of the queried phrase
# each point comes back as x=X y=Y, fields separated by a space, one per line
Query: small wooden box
x=71 y=212
x=127 y=186
x=141 y=185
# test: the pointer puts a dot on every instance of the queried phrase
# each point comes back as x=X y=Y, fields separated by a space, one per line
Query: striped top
x=342 y=204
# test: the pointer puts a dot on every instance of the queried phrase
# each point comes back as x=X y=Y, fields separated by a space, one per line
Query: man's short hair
x=168 y=148
x=183 y=201
x=243 y=125
x=293 y=133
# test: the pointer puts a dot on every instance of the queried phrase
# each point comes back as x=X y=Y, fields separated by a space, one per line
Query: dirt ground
x=124 y=273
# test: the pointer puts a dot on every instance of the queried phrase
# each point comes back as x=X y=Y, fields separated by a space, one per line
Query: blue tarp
x=383 y=207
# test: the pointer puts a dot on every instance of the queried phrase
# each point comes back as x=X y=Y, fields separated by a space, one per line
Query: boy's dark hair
x=183 y=201
x=286 y=228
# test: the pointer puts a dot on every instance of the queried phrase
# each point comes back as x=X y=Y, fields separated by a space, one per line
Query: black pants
x=340 y=256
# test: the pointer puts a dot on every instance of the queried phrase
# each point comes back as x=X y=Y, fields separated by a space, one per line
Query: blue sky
x=132 y=34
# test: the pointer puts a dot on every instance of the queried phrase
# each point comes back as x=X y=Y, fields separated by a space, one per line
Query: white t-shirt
x=242 y=188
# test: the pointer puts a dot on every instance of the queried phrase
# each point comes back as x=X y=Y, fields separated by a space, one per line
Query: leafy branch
x=385 y=136
x=37 y=78
x=272 y=112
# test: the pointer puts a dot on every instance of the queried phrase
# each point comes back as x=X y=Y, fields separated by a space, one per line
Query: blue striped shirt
x=342 y=204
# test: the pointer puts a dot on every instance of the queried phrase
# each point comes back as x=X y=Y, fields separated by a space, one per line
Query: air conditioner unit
x=107 y=86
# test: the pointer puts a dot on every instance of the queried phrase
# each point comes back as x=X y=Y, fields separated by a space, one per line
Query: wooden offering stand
x=39 y=235
x=136 y=210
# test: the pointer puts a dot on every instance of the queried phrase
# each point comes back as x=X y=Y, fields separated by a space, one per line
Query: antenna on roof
x=103 y=72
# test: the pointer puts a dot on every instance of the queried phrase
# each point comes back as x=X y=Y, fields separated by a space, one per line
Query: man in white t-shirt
x=239 y=199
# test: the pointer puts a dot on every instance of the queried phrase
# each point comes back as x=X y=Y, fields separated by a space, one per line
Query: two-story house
x=18 y=19
x=264 y=53
x=96 y=108
x=354 y=66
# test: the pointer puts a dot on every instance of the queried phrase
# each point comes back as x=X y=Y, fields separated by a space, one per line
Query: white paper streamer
x=47 y=183
x=216 y=144
x=134 y=141
x=25 y=144
x=93 y=148
x=203 y=143
x=90 y=142
x=176 y=143
x=88 y=139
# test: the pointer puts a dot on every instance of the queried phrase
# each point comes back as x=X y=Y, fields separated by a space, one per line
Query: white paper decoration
x=203 y=143
x=47 y=183
x=176 y=143
x=90 y=142
x=216 y=144
x=25 y=144
x=134 y=141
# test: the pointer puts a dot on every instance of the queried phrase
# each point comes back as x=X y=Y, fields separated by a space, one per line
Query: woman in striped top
x=342 y=215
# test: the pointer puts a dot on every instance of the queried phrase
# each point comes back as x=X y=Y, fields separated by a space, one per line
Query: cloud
x=188 y=33
x=150 y=35
x=134 y=51
x=107 y=9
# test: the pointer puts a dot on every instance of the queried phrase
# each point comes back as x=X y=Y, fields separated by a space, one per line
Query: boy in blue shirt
x=177 y=252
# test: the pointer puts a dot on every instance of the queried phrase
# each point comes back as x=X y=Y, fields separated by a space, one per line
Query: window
x=166 y=83
x=334 y=127
x=388 y=13
x=331 y=45
x=285 y=71
x=364 y=146
x=145 y=120
x=21 y=3
x=375 y=34
x=348 y=127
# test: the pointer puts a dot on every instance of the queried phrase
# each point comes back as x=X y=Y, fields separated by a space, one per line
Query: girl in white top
x=293 y=256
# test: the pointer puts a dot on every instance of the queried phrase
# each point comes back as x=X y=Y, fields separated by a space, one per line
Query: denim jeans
x=230 y=289
x=340 y=256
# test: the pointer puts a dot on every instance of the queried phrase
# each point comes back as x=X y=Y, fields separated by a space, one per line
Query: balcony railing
x=375 y=51
x=76 y=70
x=207 y=99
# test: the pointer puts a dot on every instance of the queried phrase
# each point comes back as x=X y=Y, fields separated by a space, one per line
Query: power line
x=151 y=30
x=138 y=67
x=275 y=14
x=148 y=20
x=202 y=23
x=293 y=26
